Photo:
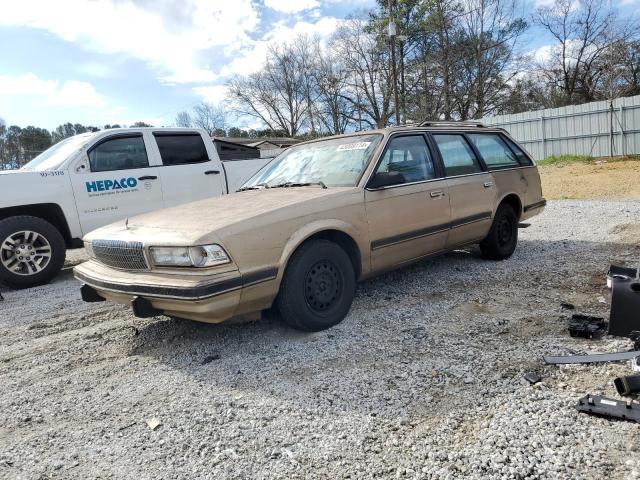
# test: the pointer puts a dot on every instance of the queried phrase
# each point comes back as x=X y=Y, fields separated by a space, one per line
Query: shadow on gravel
x=429 y=323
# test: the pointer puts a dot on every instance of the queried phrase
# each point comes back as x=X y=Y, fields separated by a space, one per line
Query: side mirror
x=386 y=179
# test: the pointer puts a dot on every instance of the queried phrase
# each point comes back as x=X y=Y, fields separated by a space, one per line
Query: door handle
x=488 y=184
x=148 y=177
x=212 y=172
x=436 y=194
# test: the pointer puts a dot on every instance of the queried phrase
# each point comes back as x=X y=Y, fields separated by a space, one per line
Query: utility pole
x=392 y=39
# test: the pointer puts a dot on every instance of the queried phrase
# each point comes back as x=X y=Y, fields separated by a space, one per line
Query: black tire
x=318 y=286
x=502 y=239
x=41 y=269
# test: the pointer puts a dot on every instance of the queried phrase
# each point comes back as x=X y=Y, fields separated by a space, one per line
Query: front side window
x=181 y=149
x=336 y=162
x=457 y=155
x=410 y=157
x=495 y=153
x=121 y=153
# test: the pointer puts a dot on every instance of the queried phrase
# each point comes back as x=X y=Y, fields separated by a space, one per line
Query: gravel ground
x=423 y=379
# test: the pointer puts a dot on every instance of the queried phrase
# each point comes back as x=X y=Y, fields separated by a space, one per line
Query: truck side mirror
x=386 y=179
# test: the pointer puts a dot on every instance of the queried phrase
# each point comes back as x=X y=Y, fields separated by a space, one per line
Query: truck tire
x=318 y=286
x=502 y=239
x=32 y=251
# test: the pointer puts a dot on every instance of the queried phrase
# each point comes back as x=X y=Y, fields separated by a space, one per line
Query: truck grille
x=120 y=254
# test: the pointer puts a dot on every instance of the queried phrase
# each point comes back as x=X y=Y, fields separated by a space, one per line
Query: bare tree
x=210 y=117
x=183 y=119
x=365 y=58
x=277 y=94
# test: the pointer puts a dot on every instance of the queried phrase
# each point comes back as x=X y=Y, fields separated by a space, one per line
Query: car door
x=114 y=181
x=408 y=220
x=189 y=171
x=472 y=192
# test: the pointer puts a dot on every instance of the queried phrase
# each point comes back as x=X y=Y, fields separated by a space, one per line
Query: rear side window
x=495 y=153
x=520 y=155
x=410 y=157
x=121 y=153
x=457 y=155
x=181 y=149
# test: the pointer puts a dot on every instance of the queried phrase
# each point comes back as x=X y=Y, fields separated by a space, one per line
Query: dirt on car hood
x=197 y=221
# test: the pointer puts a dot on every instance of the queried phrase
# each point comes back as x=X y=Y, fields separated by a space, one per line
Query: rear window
x=520 y=155
x=494 y=152
x=457 y=156
x=181 y=149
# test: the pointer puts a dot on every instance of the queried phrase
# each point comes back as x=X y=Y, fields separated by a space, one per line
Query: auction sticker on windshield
x=353 y=146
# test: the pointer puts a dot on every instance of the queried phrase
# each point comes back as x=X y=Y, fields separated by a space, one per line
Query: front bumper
x=211 y=298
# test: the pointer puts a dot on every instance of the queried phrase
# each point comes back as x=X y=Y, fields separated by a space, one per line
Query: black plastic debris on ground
x=587 y=326
x=210 y=359
x=532 y=378
x=609 y=407
x=625 y=304
x=567 y=306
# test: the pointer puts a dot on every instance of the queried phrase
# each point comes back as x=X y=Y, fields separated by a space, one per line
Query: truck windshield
x=53 y=158
x=336 y=162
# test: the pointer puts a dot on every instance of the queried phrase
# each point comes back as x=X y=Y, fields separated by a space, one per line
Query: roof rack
x=437 y=123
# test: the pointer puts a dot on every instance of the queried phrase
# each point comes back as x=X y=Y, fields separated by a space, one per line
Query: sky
x=100 y=62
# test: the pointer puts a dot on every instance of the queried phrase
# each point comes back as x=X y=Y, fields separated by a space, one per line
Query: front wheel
x=502 y=239
x=32 y=251
x=318 y=286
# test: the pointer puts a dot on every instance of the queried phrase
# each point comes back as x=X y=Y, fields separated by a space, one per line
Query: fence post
x=542 y=137
x=623 y=140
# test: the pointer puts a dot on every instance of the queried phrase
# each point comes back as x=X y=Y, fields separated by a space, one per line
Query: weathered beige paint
x=261 y=229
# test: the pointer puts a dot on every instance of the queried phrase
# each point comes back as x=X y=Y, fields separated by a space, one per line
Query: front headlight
x=88 y=246
x=203 y=256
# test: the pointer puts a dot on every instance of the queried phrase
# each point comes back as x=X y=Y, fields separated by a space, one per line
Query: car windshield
x=335 y=162
x=53 y=158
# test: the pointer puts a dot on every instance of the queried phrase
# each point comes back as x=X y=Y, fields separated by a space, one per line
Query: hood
x=192 y=222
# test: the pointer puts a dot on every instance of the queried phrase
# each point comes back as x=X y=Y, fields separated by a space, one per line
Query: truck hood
x=213 y=219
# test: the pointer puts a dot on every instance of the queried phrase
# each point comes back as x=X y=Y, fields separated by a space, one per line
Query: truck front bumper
x=212 y=298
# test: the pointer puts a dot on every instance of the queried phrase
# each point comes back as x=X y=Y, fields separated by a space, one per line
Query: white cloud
x=170 y=36
x=77 y=94
x=52 y=93
x=212 y=93
x=291 y=6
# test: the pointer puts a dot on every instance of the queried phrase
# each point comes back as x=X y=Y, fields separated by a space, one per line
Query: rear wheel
x=32 y=251
x=502 y=239
x=318 y=286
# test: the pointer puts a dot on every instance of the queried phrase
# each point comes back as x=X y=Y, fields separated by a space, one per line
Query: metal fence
x=599 y=129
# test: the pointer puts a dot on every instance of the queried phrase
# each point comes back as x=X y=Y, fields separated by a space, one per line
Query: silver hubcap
x=25 y=253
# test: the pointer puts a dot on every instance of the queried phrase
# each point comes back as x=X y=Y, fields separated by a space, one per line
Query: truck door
x=115 y=181
x=189 y=170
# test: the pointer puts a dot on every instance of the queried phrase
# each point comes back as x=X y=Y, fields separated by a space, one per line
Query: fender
x=318 y=226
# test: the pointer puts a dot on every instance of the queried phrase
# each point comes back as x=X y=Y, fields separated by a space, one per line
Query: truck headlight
x=202 y=256
x=88 y=247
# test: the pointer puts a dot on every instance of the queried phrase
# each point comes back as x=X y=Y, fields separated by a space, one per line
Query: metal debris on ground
x=592 y=358
x=532 y=378
x=587 y=326
x=154 y=423
x=609 y=407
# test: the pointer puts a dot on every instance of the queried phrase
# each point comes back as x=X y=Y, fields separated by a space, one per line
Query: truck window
x=495 y=153
x=181 y=149
x=120 y=153
x=457 y=156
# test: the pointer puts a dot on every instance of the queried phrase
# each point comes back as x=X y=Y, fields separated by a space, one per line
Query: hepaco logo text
x=107 y=185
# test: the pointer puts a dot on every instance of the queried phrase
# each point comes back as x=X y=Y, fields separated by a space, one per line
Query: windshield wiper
x=259 y=186
x=299 y=184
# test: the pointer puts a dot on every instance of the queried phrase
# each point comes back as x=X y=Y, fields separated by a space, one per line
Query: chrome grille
x=120 y=254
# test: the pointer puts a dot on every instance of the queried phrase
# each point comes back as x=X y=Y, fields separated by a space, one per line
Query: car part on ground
x=318 y=286
x=618 y=272
x=532 y=378
x=567 y=306
x=625 y=305
x=592 y=358
x=609 y=407
x=502 y=239
x=587 y=326
x=32 y=251
x=627 y=386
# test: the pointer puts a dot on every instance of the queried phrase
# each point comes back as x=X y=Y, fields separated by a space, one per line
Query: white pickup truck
x=93 y=179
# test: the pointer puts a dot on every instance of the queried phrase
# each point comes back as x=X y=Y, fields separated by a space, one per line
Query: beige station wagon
x=317 y=219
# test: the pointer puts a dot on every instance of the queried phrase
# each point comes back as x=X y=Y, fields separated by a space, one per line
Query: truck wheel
x=502 y=239
x=32 y=251
x=318 y=286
